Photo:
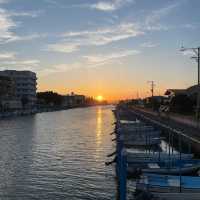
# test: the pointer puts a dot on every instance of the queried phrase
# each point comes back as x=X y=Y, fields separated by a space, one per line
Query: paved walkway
x=186 y=120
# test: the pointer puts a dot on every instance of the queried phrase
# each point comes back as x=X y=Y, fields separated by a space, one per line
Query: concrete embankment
x=16 y=113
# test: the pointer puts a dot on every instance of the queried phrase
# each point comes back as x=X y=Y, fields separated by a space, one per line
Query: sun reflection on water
x=99 y=127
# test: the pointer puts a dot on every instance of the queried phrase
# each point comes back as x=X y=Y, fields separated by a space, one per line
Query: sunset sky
x=101 y=47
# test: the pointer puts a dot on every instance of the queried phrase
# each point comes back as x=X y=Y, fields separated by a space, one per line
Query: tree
x=49 y=98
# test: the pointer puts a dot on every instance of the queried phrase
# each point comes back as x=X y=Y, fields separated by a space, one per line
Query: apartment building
x=25 y=85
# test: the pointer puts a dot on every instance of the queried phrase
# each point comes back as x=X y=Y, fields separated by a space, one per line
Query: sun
x=99 y=98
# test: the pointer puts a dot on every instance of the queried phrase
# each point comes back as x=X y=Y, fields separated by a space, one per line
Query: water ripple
x=58 y=155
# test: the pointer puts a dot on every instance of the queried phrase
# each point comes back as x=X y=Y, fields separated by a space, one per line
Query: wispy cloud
x=91 y=61
x=16 y=38
x=190 y=26
x=63 y=47
x=7 y=25
x=95 y=60
x=157 y=14
x=152 y=21
x=31 y=64
x=72 y=41
x=105 y=35
x=32 y=14
x=60 y=68
x=101 y=5
x=110 y=5
x=7 y=55
x=52 y=2
x=10 y=60
x=17 y=62
x=148 y=45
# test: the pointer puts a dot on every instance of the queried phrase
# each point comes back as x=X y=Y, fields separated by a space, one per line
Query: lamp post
x=196 y=50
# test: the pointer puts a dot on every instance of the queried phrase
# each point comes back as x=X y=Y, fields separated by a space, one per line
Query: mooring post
x=180 y=157
x=119 y=150
x=122 y=175
x=172 y=143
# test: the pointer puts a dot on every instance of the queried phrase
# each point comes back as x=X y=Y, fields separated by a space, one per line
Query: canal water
x=57 y=155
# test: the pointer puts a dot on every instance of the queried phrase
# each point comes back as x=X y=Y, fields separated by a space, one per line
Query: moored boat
x=168 y=183
x=171 y=167
x=155 y=156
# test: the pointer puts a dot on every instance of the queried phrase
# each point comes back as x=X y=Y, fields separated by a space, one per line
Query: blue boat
x=171 y=167
x=136 y=157
x=168 y=183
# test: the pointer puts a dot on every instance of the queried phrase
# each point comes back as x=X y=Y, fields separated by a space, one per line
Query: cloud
x=148 y=45
x=32 y=14
x=105 y=35
x=10 y=60
x=110 y=5
x=152 y=21
x=60 y=68
x=190 y=26
x=72 y=41
x=95 y=60
x=157 y=14
x=63 y=47
x=101 y=5
x=52 y=2
x=90 y=61
x=7 y=55
x=15 y=63
x=16 y=38
x=7 y=24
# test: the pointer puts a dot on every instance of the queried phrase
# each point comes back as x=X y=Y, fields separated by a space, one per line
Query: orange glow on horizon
x=110 y=94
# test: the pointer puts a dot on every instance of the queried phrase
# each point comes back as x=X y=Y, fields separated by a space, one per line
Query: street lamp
x=196 y=50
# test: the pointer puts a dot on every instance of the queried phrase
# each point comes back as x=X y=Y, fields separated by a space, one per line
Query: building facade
x=25 y=86
x=6 y=87
x=73 y=100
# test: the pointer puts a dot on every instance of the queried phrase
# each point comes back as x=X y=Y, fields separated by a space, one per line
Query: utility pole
x=137 y=95
x=152 y=87
x=196 y=50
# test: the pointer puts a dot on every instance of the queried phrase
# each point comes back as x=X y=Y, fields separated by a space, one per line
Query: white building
x=25 y=85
